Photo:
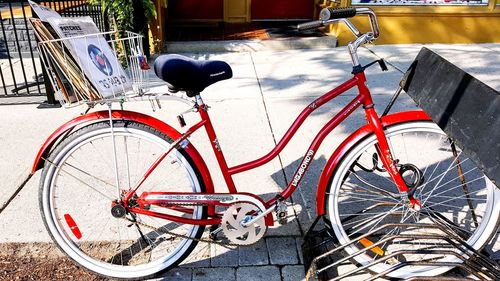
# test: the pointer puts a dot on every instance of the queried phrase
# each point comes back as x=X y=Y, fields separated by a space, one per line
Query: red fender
x=352 y=140
x=123 y=115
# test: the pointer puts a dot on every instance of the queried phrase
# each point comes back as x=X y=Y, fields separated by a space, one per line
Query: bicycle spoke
x=440 y=176
x=374 y=221
x=452 y=180
x=81 y=185
x=452 y=188
x=84 y=183
x=98 y=151
x=438 y=183
x=361 y=199
x=88 y=174
x=440 y=219
x=381 y=191
x=424 y=147
x=459 y=197
x=452 y=199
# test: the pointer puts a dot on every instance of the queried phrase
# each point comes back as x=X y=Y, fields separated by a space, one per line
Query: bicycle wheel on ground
x=453 y=193
x=79 y=186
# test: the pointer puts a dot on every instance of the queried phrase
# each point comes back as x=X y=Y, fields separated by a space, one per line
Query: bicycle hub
x=118 y=211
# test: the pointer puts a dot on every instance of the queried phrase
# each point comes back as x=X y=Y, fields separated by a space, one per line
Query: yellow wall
x=430 y=25
x=399 y=24
x=236 y=10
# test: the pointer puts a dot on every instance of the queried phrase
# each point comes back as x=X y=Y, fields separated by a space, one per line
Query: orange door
x=196 y=10
x=282 y=9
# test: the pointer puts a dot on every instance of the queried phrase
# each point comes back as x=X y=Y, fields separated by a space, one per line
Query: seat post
x=199 y=100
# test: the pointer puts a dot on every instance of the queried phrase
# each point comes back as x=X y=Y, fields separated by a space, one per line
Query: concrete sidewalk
x=250 y=112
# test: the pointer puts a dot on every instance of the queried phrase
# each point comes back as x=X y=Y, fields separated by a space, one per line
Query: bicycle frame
x=363 y=98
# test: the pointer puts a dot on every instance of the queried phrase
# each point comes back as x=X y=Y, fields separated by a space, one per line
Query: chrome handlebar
x=329 y=16
x=373 y=20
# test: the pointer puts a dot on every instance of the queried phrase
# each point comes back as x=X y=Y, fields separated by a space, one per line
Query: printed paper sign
x=43 y=12
x=93 y=54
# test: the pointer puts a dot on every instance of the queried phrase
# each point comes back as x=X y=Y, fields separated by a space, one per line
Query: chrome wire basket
x=96 y=68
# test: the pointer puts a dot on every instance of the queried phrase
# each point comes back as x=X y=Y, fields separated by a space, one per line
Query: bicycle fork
x=382 y=147
x=386 y=157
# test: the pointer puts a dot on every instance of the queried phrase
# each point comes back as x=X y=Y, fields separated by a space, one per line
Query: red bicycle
x=125 y=195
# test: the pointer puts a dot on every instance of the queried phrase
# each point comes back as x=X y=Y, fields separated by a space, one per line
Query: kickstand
x=134 y=221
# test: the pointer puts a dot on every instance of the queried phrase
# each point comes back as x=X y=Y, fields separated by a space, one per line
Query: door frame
x=232 y=16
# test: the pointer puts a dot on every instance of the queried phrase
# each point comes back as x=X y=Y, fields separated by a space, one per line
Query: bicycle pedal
x=281 y=210
x=282 y=221
x=213 y=231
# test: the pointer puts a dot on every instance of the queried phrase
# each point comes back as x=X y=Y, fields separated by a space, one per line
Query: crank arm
x=258 y=217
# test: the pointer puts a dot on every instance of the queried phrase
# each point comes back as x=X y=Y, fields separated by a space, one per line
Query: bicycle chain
x=203 y=240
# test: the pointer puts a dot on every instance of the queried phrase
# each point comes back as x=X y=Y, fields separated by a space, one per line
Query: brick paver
x=282 y=250
x=214 y=274
x=268 y=273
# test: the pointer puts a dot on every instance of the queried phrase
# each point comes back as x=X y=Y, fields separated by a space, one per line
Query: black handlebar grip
x=341 y=13
x=310 y=25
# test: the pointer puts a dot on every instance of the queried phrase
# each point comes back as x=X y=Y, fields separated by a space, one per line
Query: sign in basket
x=86 y=65
x=93 y=54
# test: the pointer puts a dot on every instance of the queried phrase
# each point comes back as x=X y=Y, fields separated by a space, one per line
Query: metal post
x=51 y=99
x=12 y=17
x=30 y=47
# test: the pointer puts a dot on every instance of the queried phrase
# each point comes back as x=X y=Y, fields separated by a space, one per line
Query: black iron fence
x=20 y=69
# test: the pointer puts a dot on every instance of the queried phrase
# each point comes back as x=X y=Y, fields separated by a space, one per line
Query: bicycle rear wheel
x=362 y=197
x=79 y=186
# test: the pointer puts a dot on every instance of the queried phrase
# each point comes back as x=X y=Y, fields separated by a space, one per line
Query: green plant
x=121 y=12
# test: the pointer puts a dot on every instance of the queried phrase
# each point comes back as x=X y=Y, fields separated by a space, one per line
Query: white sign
x=93 y=54
x=43 y=12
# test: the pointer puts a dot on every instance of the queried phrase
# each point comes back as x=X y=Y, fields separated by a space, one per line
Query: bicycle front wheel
x=82 y=179
x=452 y=191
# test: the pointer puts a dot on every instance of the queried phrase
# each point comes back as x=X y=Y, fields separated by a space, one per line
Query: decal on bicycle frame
x=302 y=168
x=190 y=197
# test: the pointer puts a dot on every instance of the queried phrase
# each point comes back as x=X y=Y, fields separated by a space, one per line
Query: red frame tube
x=294 y=127
x=216 y=148
x=175 y=218
x=160 y=159
x=363 y=98
x=350 y=142
x=332 y=124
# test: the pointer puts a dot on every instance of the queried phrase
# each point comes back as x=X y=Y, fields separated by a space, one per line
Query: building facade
x=401 y=21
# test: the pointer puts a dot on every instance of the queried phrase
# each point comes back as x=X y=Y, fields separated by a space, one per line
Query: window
x=420 y=2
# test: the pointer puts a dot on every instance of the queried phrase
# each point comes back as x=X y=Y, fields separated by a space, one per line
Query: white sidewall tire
x=486 y=229
x=65 y=243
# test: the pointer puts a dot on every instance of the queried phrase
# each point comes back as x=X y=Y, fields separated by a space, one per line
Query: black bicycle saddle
x=193 y=76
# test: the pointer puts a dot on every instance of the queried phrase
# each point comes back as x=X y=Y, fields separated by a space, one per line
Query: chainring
x=233 y=229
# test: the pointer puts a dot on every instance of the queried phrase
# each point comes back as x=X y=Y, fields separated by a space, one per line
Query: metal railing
x=469 y=260
x=21 y=72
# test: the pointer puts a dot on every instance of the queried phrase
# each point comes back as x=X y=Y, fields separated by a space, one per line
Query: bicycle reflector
x=72 y=225
x=367 y=243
